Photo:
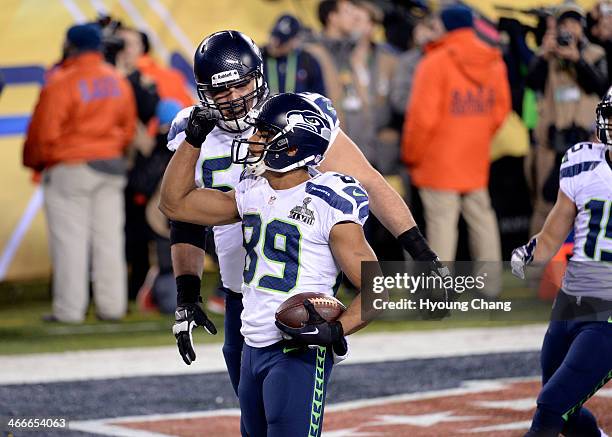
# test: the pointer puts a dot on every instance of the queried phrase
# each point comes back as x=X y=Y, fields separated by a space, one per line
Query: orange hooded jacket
x=460 y=97
x=86 y=111
x=170 y=82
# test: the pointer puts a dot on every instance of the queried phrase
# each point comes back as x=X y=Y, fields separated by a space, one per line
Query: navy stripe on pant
x=283 y=393
x=576 y=362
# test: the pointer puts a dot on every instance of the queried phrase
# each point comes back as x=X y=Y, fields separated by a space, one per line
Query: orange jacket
x=170 y=82
x=86 y=111
x=460 y=97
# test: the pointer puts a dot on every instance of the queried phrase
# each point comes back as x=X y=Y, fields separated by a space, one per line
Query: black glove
x=201 y=122
x=188 y=316
x=445 y=294
x=316 y=331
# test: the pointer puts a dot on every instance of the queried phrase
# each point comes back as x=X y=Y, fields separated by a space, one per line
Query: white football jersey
x=586 y=178
x=216 y=170
x=286 y=235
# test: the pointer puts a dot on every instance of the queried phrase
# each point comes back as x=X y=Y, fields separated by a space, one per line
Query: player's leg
x=554 y=349
x=234 y=341
x=441 y=212
x=586 y=367
x=108 y=247
x=68 y=215
x=250 y=394
x=294 y=392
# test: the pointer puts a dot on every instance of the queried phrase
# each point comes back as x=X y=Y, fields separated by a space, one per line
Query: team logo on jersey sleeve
x=309 y=120
x=302 y=213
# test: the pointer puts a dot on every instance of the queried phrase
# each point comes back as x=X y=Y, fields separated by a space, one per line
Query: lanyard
x=290 y=74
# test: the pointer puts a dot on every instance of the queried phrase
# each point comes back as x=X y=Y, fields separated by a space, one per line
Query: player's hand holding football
x=521 y=257
x=201 y=122
x=189 y=316
x=316 y=331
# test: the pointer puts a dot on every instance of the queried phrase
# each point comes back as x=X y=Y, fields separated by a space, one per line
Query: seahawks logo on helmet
x=310 y=121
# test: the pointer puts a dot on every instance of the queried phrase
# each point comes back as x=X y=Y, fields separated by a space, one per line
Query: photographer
x=570 y=74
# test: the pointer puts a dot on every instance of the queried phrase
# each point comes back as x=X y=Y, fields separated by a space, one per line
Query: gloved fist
x=316 y=331
x=201 y=122
x=521 y=257
x=189 y=316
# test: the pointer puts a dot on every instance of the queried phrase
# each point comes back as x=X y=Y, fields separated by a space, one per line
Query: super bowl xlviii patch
x=302 y=213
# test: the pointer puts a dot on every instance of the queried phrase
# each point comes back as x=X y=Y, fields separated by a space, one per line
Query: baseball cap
x=287 y=27
x=85 y=36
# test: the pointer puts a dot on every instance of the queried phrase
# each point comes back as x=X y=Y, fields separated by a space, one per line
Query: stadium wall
x=33 y=32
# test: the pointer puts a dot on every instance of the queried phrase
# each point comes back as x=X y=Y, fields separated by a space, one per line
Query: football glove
x=437 y=269
x=189 y=316
x=201 y=122
x=316 y=331
x=521 y=257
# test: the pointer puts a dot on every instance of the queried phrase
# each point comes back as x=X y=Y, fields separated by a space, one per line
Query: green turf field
x=22 y=329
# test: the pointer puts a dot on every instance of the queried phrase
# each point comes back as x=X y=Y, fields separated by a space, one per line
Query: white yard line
x=365 y=348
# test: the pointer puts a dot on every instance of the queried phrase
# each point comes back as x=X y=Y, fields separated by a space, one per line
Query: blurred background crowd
x=467 y=118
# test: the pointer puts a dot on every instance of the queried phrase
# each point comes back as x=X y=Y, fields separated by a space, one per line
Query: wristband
x=188 y=289
x=415 y=244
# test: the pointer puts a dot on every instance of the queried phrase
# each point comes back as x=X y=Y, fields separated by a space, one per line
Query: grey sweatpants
x=85 y=216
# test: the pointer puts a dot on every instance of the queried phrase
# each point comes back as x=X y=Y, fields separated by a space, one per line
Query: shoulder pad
x=581 y=158
x=583 y=152
x=340 y=191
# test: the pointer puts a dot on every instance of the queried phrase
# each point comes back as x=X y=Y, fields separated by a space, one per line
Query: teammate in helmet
x=229 y=77
x=577 y=349
x=228 y=67
x=604 y=120
x=300 y=228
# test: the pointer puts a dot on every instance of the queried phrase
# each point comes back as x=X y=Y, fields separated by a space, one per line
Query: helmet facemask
x=233 y=112
x=275 y=142
x=604 y=123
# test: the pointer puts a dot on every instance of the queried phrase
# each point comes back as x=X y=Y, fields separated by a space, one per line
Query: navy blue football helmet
x=604 y=119
x=296 y=132
x=224 y=60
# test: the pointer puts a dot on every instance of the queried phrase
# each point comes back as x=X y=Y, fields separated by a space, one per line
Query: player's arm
x=180 y=199
x=387 y=205
x=545 y=244
x=350 y=248
x=556 y=228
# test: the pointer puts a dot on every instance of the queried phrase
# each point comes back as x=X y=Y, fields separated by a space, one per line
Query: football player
x=577 y=351
x=229 y=73
x=300 y=229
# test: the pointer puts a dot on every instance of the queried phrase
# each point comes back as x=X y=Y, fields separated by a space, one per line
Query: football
x=292 y=312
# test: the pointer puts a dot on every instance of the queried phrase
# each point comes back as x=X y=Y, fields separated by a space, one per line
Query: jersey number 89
x=281 y=245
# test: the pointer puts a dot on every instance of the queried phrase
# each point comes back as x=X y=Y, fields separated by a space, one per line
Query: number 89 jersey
x=286 y=237
x=586 y=178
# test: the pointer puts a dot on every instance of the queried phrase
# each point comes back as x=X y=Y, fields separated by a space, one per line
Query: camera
x=564 y=39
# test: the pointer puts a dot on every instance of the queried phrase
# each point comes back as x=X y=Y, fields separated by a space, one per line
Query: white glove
x=521 y=257
x=339 y=358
